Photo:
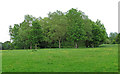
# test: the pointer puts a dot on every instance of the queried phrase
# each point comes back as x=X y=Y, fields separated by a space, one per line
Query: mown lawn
x=101 y=59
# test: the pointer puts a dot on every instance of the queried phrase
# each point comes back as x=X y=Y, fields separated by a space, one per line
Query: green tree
x=112 y=37
x=88 y=30
x=99 y=34
x=58 y=23
x=15 y=36
x=47 y=33
x=117 y=39
x=24 y=34
x=20 y=34
x=36 y=33
x=6 y=45
x=75 y=21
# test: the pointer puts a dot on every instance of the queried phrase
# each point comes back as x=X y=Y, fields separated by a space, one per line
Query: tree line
x=114 y=38
x=60 y=29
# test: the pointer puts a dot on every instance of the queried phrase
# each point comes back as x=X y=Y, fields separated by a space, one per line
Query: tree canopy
x=59 y=29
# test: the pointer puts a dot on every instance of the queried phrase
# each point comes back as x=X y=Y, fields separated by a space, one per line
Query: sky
x=13 y=11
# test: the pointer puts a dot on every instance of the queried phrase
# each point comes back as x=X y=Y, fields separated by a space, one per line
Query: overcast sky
x=13 y=11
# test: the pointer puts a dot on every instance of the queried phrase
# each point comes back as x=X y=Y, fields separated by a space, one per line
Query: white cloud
x=13 y=11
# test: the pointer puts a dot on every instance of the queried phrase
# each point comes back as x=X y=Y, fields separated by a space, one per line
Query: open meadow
x=100 y=59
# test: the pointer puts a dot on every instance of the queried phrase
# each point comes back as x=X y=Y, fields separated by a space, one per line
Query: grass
x=101 y=59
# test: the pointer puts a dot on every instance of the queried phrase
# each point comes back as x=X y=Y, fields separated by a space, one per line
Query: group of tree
x=6 y=45
x=114 y=38
x=60 y=29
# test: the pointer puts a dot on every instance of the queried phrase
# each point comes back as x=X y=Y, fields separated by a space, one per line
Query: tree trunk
x=76 y=44
x=59 y=43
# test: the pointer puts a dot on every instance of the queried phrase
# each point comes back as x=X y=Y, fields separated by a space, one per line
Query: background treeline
x=114 y=38
x=70 y=29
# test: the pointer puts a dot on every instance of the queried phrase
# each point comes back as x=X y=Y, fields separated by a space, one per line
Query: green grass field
x=101 y=59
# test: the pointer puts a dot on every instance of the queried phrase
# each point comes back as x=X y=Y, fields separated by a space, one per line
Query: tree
x=24 y=34
x=117 y=39
x=112 y=37
x=88 y=26
x=10 y=31
x=6 y=45
x=58 y=23
x=36 y=33
x=15 y=36
x=76 y=31
x=47 y=32
x=29 y=20
x=99 y=34
x=20 y=34
x=30 y=32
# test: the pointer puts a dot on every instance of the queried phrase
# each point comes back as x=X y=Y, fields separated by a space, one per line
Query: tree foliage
x=59 y=29
x=75 y=21
x=112 y=37
x=117 y=39
x=58 y=23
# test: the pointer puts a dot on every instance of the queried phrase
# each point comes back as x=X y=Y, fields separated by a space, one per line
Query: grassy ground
x=101 y=59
